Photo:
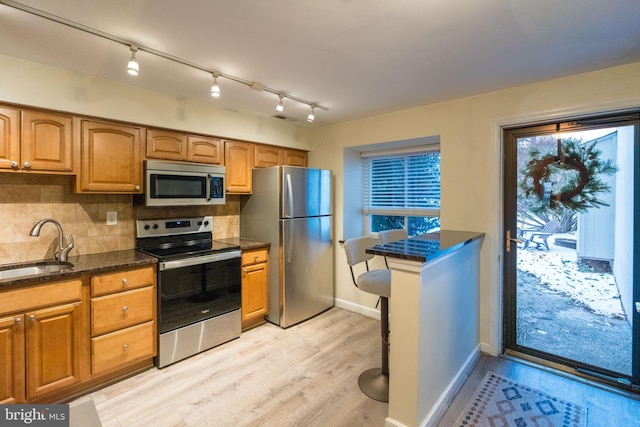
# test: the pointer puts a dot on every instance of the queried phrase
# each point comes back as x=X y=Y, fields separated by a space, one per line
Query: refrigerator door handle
x=290 y=242
x=289 y=197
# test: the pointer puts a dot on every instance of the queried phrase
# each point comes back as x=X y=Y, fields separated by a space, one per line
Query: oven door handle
x=198 y=260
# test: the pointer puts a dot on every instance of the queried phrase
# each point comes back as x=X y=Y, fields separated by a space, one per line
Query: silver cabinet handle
x=27 y=165
x=14 y=164
x=124 y=282
x=125 y=309
x=32 y=317
x=137 y=188
x=18 y=320
x=125 y=347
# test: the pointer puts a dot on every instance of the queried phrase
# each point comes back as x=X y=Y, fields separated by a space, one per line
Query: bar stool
x=388 y=236
x=373 y=382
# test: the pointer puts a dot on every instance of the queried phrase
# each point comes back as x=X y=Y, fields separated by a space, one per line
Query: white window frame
x=405 y=212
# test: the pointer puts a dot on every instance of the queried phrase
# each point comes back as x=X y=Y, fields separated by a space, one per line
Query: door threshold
x=570 y=373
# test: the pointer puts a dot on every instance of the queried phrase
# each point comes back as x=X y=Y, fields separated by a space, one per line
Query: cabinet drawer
x=118 y=349
x=121 y=310
x=33 y=297
x=255 y=257
x=122 y=281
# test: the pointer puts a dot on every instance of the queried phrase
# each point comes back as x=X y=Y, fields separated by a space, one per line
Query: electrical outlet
x=112 y=217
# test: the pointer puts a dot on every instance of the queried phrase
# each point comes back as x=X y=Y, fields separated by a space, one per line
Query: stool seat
x=376 y=282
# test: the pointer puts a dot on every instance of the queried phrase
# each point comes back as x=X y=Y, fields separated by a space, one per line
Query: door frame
x=508 y=222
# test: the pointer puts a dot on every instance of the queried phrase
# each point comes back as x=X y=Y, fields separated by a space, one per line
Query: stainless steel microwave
x=169 y=183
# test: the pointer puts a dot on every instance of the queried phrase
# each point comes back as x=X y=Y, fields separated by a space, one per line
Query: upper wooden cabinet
x=294 y=157
x=270 y=155
x=162 y=144
x=33 y=140
x=168 y=145
x=204 y=149
x=111 y=158
x=239 y=157
x=267 y=156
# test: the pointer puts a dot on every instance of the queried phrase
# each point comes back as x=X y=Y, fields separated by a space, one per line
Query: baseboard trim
x=357 y=308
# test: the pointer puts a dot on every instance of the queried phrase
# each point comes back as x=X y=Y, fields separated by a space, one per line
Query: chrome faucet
x=62 y=254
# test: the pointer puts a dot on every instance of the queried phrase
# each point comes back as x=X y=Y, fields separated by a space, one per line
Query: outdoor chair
x=539 y=237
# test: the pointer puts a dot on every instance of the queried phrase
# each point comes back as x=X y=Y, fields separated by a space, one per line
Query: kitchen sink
x=33 y=269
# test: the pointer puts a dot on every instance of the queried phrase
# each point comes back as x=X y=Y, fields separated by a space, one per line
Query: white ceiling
x=356 y=57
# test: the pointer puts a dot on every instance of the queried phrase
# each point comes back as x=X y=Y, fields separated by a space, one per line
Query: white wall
x=32 y=84
x=623 y=258
x=469 y=130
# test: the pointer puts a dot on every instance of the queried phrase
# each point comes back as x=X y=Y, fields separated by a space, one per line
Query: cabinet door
x=166 y=145
x=238 y=158
x=205 y=150
x=267 y=155
x=9 y=138
x=255 y=294
x=46 y=142
x=111 y=158
x=295 y=157
x=53 y=345
x=12 y=359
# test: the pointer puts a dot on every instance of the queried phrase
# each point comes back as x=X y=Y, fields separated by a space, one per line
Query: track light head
x=132 y=67
x=215 y=89
x=280 y=107
x=311 y=117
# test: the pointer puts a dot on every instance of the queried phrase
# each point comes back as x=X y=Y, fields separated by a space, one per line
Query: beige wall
x=469 y=130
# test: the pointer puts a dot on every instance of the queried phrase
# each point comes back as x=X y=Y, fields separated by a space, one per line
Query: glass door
x=571 y=290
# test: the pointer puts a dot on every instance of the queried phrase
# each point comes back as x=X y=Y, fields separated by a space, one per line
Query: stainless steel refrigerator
x=290 y=207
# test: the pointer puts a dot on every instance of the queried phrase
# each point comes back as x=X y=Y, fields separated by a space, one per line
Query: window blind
x=406 y=184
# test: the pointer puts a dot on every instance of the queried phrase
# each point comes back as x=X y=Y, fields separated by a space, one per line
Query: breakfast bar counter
x=434 y=321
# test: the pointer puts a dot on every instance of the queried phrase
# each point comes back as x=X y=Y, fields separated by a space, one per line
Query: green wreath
x=580 y=192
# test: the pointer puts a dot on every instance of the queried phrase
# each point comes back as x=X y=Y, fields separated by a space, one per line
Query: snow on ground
x=558 y=269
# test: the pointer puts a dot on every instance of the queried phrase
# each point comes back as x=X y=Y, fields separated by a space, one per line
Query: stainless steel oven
x=199 y=282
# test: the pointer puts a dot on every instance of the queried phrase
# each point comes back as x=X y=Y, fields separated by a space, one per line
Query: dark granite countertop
x=246 y=244
x=427 y=247
x=83 y=264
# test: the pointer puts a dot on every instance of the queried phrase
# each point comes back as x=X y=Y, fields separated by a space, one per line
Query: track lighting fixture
x=280 y=107
x=215 y=89
x=132 y=67
x=311 y=117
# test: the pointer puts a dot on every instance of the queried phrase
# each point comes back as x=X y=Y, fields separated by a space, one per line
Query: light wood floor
x=307 y=375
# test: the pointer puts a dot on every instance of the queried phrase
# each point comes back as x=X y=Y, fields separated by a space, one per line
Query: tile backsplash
x=25 y=199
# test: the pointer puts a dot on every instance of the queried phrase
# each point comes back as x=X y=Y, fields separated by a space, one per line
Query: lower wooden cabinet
x=40 y=340
x=123 y=319
x=255 y=288
x=115 y=350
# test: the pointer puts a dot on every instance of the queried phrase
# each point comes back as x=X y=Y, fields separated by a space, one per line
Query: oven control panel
x=172 y=226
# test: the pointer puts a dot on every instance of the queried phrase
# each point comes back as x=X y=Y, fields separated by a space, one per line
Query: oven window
x=191 y=294
x=177 y=186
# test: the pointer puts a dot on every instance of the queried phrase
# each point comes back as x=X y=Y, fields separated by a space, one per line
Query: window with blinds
x=402 y=191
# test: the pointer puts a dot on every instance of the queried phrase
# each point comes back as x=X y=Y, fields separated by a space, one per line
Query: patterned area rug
x=501 y=402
